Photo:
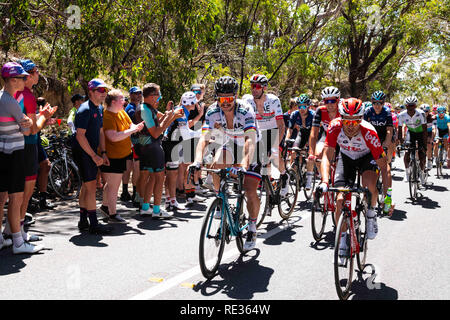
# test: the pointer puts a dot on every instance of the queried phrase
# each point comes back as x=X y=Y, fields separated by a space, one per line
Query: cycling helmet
x=351 y=107
x=188 y=98
x=44 y=141
x=260 y=79
x=303 y=99
x=331 y=92
x=411 y=100
x=367 y=105
x=425 y=107
x=441 y=109
x=378 y=96
x=226 y=84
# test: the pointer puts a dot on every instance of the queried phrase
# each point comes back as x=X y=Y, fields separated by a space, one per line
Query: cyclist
x=270 y=123
x=302 y=121
x=360 y=148
x=415 y=121
x=324 y=115
x=431 y=133
x=287 y=117
x=380 y=117
x=230 y=124
x=442 y=125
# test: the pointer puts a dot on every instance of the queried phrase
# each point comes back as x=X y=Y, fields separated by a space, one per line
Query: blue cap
x=27 y=64
x=135 y=90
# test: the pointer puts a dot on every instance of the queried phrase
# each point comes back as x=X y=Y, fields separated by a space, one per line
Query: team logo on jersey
x=373 y=139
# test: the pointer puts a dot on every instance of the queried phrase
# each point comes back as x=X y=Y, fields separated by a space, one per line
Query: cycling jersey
x=243 y=122
x=442 y=124
x=365 y=142
x=431 y=122
x=296 y=118
x=414 y=123
x=322 y=118
x=272 y=112
x=380 y=121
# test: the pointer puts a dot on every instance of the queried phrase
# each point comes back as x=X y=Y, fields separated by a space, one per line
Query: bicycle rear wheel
x=309 y=193
x=412 y=181
x=343 y=269
x=264 y=196
x=318 y=217
x=439 y=162
x=212 y=240
x=287 y=203
x=66 y=182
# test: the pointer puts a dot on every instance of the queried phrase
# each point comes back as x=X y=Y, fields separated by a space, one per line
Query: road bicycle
x=414 y=170
x=222 y=222
x=440 y=157
x=352 y=222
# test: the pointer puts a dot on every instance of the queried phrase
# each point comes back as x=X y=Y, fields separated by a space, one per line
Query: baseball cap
x=27 y=64
x=13 y=69
x=188 y=98
x=77 y=97
x=134 y=90
x=96 y=83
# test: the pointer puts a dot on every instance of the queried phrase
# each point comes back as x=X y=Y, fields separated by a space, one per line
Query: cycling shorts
x=152 y=157
x=443 y=133
x=118 y=166
x=347 y=168
x=86 y=166
x=12 y=173
x=31 y=162
x=418 y=136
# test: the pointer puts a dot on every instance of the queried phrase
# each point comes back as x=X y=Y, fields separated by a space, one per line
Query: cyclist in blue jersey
x=301 y=120
x=380 y=117
x=442 y=125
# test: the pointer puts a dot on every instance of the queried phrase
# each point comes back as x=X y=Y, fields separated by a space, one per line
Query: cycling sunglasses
x=351 y=122
x=256 y=86
x=329 y=101
x=378 y=103
x=302 y=106
x=197 y=92
x=101 y=90
x=441 y=112
x=228 y=100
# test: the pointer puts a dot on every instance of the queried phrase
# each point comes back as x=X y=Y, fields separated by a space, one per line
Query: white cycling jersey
x=272 y=112
x=414 y=123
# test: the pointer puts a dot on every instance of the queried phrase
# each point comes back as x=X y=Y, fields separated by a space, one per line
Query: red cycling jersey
x=322 y=118
x=365 y=142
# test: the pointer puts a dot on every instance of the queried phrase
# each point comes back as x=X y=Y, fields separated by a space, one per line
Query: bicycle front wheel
x=65 y=180
x=318 y=217
x=361 y=234
x=264 y=196
x=212 y=240
x=309 y=193
x=343 y=261
x=287 y=203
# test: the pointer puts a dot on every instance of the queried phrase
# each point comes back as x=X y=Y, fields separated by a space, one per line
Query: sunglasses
x=330 y=101
x=377 y=103
x=351 y=123
x=256 y=86
x=197 y=92
x=441 y=112
x=302 y=106
x=228 y=100
x=410 y=105
x=101 y=90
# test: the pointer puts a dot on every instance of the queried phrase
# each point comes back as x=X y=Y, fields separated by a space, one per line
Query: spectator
x=314 y=105
x=133 y=160
x=151 y=152
x=14 y=125
x=118 y=128
x=90 y=136
x=77 y=100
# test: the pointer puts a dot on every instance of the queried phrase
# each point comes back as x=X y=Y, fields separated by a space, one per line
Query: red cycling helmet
x=351 y=107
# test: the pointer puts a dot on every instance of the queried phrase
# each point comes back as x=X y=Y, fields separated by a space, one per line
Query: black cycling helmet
x=259 y=78
x=226 y=84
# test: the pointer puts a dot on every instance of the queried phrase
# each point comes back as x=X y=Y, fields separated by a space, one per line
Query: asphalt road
x=158 y=259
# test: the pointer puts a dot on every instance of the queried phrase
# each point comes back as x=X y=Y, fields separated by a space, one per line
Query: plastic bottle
x=387 y=201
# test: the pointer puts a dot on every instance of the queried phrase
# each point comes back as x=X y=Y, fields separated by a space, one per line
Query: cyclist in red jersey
x=324 y=115
x=360 y=148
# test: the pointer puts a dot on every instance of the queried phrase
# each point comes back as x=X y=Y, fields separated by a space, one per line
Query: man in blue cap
x=133 y=161
x=89 y=137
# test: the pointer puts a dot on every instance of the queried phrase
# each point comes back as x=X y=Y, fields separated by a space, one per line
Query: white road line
x=180 y=278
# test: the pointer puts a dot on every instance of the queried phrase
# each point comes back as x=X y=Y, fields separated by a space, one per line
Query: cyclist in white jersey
x=270 y=123
x=415 y=121
x=230 y=125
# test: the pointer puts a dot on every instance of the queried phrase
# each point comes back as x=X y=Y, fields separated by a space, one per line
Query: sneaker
x=176 y=206
x=6 y=243
x=116 y=218
x=148 y=212
x=104 y=210
x=284 y=185
x=33 y=238
x=100 y=229
x=250 y=242
x=197 y=199
x=27 y=247
x=162 y=214
x=125 y=197
x=372 y=226
x=343 y=250
x=83 y=225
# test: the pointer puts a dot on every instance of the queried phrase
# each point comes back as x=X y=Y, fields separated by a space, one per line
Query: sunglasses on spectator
x=256 y=86
x=101 y=90
x=351 y=122
x=228 y=100
x=197 y=92
x=330 y=101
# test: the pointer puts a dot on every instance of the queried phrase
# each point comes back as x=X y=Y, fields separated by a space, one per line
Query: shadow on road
x=327 y=241
x=365 y=287
x=11 y=263
x=398 y=215
x=239 y=279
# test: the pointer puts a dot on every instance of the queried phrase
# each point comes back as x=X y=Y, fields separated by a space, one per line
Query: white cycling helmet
x=331 y=92
x=188 y=98
x=410 y=100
